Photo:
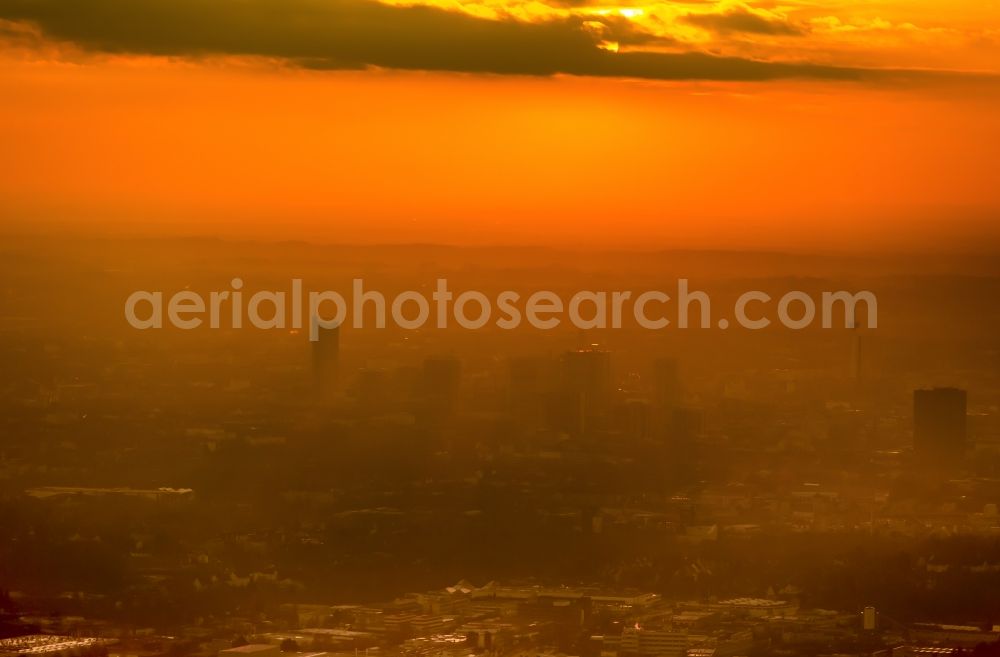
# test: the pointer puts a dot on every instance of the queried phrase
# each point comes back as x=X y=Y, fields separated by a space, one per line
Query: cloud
x=589 y=3
x=334 y=34
x=742 y=20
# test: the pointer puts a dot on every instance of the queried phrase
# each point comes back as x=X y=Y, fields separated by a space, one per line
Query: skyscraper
x=585 y=388
x=939 y=423
x=326 y=361
x=588 y=371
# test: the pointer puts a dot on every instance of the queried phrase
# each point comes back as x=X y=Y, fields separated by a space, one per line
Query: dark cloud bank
x=360 y=33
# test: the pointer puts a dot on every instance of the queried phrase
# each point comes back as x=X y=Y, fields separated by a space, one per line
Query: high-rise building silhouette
x=939 y=423
x=326 y=361
x=666 y=396
x=588 y=371
x=585 y=389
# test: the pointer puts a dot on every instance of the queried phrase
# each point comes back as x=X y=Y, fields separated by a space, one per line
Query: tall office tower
x=939 y=423
x=666 y=397
x=326 y=361
x=440 y=381
x=666 y=383
x=585 y=388
x=588 y=371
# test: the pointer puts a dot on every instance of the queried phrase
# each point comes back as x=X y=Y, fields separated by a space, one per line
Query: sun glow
x=962 y=35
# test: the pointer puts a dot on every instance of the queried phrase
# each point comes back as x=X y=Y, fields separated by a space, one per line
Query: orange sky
x=245 y=146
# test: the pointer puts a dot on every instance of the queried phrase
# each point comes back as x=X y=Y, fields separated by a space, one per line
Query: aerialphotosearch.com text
x=298 y=308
